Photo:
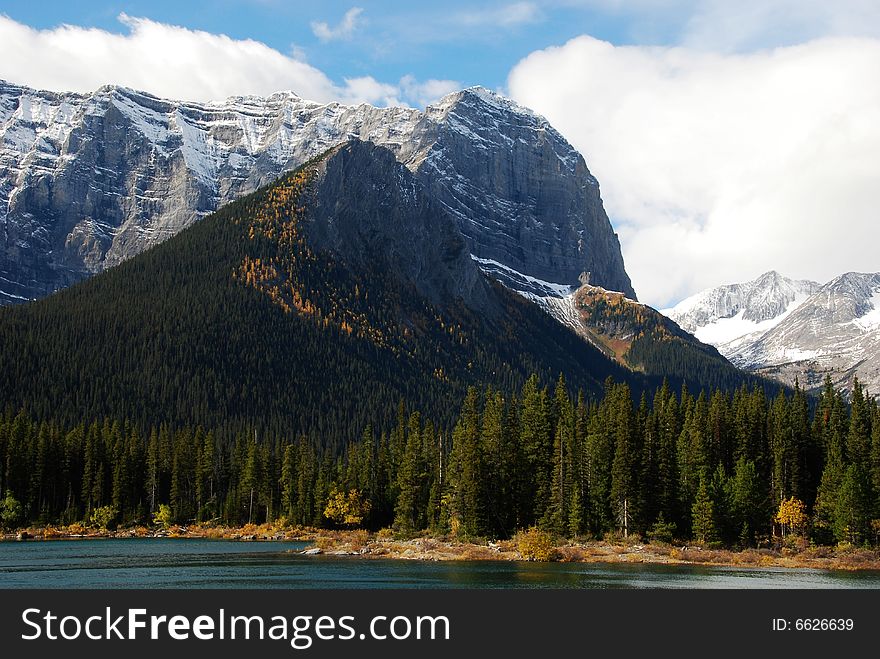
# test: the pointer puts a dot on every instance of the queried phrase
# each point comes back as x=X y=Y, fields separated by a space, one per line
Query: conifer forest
x=717 y=469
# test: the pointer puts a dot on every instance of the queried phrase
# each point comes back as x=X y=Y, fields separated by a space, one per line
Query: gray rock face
x=835 y=332
x=522 y=195
x=373 y=213
x=87 y=181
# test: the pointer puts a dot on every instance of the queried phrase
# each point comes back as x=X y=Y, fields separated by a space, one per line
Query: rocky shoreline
x=384 y=545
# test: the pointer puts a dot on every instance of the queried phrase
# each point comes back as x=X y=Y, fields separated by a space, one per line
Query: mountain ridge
x=642 y=339
x=88 y=180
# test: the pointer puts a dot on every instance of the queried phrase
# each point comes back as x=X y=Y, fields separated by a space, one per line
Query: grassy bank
x=438 y=549
x=385 y=545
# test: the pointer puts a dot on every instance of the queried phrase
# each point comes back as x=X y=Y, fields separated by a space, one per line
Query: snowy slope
x=728 y=315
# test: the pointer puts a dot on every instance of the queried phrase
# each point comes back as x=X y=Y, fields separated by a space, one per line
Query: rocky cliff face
x=522 y=195
x=372 y=213
x=87 y=181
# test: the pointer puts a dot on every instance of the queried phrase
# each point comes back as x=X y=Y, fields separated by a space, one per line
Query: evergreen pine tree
x=536 y=442
x=703 y=514
x=288 y=481
x=749 y=511
x=852 y=507
x=409 y=511
x=556 y=514
x=623 y=474
x=468 y=470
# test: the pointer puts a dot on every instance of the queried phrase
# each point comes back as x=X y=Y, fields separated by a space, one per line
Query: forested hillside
x=648 y=342
x=254 y=317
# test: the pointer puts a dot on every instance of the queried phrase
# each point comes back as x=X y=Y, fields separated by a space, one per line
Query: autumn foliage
x=792 y=516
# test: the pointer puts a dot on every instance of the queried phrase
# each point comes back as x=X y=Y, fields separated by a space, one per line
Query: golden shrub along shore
x=526 y=546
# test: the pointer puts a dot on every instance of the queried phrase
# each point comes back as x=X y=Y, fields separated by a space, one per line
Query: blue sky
x=464 y=41
x=470 y=42
x=729 y=138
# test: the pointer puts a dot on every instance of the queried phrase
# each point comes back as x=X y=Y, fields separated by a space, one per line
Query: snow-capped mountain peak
x=786 y=328
x=728 y=313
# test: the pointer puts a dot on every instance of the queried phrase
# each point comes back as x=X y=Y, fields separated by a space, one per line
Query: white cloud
x=367 y=87
x=298 y=53
x=517 y=13
x=715 y=167
x=344 y=30
x=176 y=62
x=424 y=93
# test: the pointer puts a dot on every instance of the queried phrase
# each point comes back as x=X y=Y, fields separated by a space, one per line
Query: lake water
x=196 y=563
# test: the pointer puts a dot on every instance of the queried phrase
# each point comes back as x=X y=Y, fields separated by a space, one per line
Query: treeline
x=730 y=469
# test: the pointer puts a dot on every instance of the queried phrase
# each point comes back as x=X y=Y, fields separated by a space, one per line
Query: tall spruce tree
x=703 y=514
x=411 y=481
x=469 y=470
x=536 y=442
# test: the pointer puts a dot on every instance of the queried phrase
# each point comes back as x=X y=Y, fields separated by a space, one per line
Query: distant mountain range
x=787 y=329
